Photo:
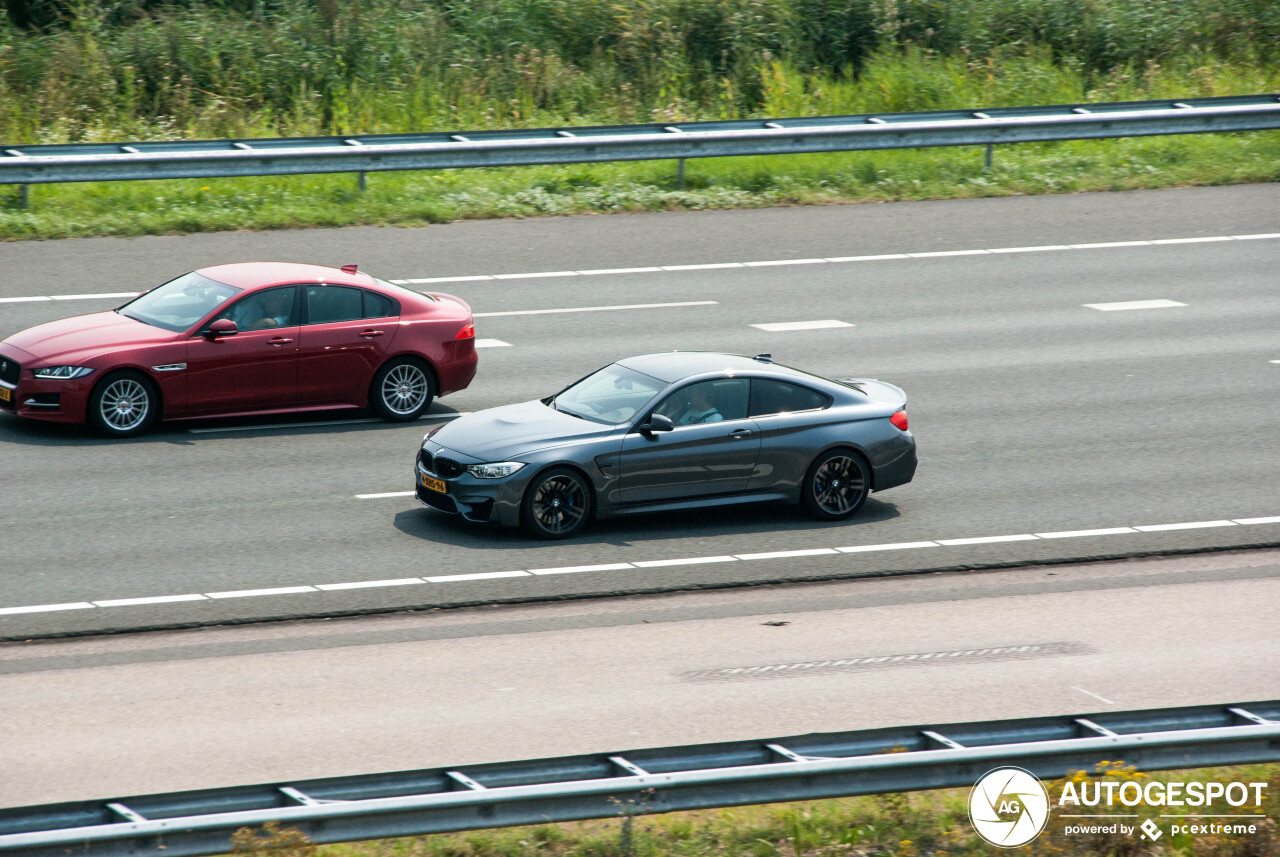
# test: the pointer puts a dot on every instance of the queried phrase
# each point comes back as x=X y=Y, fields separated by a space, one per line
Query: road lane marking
x=575 y=569
x=1094 y=695
x=697 y=560
x=897 y=546
x=1193 y=525
x=482 y=575
x=786 y=554
x=1073 y=534
x=46 y=608
x=254 y=593
x=983 y=540
x=711 y=266
x=385 y=495
x=155 y=599
x=782 y=326
x=369 y=584
x=624 y=566
x=492 y=343
x=590 y=309
x=1124 y=305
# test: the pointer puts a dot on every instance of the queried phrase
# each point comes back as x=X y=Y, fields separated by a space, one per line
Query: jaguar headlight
x=494 y=471
x=61 y=373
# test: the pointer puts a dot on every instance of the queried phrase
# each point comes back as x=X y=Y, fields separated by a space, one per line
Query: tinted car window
x=778 y=397
x=379 y=306
x=706 y=402
x=612 y=395
x=327 y=304
x=263 y=310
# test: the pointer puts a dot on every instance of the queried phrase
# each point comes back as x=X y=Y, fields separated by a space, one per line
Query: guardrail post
x=24 y=196
x=360 y=180
x=990 y=146
x=680 y=174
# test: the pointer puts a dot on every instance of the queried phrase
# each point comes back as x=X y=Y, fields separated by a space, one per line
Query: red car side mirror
x=222 y=327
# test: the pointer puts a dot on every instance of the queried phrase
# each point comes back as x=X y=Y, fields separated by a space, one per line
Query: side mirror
x=222 y=327
x=657 y=423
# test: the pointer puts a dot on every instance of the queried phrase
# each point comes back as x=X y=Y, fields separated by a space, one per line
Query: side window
x=379 y=306
x=326 y=304
x=706 y=402
x=263 y=310
x=779 y=397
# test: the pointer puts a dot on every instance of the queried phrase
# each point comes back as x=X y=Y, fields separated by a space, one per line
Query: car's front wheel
x=123 y=404
x=556 y=504
x=836 y=485
x=402 y=390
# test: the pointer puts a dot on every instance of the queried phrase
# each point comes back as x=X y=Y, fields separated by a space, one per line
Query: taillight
x=899 y=419
x=468 y=332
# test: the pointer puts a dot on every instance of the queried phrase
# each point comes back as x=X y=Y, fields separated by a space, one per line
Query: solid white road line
x=624 y=566
x=98 y=296
x=1073 y=534
x=1194 y=525
x=1123 y=305
x=386 y=494
x=426 y=419
x=781 y=326
x=492 y=343
x=590 y=309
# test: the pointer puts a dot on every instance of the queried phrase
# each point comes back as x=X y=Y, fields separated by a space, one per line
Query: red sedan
x=246 y=338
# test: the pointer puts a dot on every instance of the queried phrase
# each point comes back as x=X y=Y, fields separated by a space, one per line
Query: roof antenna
x=350 y=269
x=763 y=358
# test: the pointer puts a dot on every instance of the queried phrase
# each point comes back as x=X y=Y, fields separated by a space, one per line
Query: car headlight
x=494 y=471
x=62 y=373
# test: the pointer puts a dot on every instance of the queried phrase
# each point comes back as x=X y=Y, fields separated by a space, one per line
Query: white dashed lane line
x=590 y=309
x=1124 y=305
x=492 y=343
x=617 y=566
x=783 y=326
x=426 y=419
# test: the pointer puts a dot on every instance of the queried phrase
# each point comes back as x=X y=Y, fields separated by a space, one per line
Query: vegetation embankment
x=919 y=824
x=96 y=70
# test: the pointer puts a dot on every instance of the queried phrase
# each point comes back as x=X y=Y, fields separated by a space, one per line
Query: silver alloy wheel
x=404 y=389
x=125 y=404
x=839 y=484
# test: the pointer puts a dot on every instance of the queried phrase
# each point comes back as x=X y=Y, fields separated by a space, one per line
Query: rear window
x=779 y=397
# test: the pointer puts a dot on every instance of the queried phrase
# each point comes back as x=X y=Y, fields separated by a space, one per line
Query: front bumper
x=52 y=400
x=485 y=501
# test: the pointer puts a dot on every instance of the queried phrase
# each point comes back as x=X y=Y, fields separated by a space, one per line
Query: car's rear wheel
x=402 y=390
x=123 y=404
x=556 y=504
x=836 y=485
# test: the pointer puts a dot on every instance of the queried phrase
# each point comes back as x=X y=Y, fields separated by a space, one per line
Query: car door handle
x=370 y=334
x=738 y=434
x=279 y=340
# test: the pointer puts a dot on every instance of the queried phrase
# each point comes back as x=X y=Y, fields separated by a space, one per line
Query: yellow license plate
x=433 y=484
x=5 y=395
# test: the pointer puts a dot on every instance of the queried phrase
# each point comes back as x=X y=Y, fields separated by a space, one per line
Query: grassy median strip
x=907 y=824
x=109 y=70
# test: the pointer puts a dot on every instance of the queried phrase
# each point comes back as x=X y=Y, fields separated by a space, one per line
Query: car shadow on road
x=189 y=432
x=631 y=531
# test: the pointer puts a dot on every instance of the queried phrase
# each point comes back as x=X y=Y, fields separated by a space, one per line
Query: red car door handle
x=370 y=334
x=279 y=340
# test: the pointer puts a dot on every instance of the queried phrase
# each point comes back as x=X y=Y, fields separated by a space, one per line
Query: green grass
x=915 y=824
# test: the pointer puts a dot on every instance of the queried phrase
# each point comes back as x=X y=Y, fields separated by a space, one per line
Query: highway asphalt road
x=1035 y=413
x=131 y=714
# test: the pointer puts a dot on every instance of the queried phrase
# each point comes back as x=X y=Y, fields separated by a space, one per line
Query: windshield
x=179 y=303
x=615 y=394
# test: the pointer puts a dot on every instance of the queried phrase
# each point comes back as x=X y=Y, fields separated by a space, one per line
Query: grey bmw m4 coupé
x=671 y=431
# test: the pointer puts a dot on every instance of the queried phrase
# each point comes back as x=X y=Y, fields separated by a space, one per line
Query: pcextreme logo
x=1008 y=807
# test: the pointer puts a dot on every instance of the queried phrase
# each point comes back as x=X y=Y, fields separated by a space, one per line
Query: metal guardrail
x=283 y=156
x=647 y=781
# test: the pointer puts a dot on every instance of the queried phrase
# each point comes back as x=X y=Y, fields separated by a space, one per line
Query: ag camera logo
x=1008 y=807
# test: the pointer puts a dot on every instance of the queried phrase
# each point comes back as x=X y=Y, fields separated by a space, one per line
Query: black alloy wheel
x=556 y=504
x=837 y=485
